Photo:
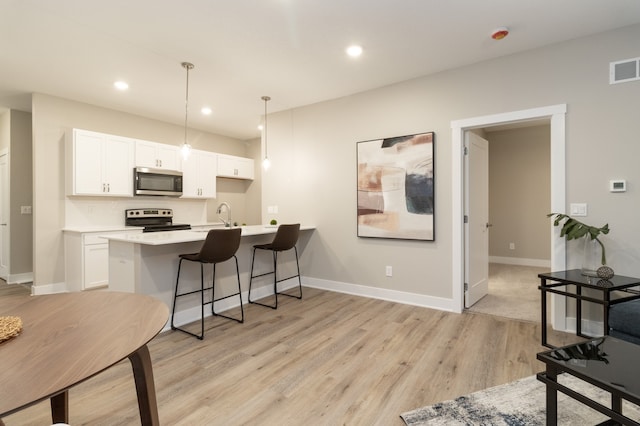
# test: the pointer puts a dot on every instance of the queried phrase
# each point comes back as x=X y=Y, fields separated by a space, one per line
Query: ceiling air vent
x=624 y=71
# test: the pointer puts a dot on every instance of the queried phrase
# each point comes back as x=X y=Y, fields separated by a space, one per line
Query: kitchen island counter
x=187 y=236
x=147 y=263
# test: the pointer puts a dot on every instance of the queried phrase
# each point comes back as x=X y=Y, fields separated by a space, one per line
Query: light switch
x=578 y=209
x=25 y=209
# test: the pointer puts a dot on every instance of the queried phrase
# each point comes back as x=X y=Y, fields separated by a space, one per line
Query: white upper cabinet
x=100 y=164
x=230 y=166
x=199 y=175
x=157 y=155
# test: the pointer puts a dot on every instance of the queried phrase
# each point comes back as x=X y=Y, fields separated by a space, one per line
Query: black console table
x=609 y=292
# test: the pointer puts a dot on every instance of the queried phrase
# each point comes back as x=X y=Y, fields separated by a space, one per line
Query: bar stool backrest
x=286 y=237
x=220 y=245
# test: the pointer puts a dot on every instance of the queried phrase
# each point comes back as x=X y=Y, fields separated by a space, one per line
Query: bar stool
x=219 y=246
x=285 y=239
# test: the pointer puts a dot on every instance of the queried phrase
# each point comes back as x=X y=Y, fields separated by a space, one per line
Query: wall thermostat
x=617 y=185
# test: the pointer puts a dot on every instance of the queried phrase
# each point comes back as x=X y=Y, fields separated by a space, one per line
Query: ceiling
x=291 y=50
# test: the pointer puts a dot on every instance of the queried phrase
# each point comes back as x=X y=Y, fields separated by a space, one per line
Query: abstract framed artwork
x=396 y=187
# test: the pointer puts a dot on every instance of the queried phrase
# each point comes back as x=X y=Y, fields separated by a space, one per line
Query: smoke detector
x=500 y=33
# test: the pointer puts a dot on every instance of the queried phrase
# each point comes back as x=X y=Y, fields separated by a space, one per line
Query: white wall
x=519 y=195
x=313 y=154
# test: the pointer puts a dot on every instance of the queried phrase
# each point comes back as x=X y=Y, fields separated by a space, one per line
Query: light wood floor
x=329 y=359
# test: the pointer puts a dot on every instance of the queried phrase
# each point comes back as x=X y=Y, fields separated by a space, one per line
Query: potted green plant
x=573 y=229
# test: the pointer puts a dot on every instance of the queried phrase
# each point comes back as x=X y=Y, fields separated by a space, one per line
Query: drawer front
x=93 y=239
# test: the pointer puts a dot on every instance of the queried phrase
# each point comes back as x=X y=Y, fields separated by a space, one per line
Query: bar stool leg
x=260 y=275
x=275 y=277
x=175 y=297
x=213 y=295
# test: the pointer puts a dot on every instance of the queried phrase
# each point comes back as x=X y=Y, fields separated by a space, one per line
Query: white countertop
x=123 y=228
x=187 y=236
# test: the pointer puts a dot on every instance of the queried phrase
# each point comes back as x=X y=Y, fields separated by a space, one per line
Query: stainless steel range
x=153 y=220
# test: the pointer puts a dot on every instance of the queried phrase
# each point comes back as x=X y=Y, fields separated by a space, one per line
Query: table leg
x=616 y=403
x=543 y=309
x=143 y=375
x=579 y=311
x=552 y=397
x=60 y=407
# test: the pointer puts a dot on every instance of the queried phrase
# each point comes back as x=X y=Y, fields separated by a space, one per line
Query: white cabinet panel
x=96 y=265
x=230 y=166
x=199 y=175
x=100 y=164
x=86 y=260
x=157 y=155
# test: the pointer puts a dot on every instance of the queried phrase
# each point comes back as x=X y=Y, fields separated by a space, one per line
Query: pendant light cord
x=265 y=99
x=188 y=66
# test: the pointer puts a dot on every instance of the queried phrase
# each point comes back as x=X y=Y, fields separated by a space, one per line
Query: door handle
x=489 y=225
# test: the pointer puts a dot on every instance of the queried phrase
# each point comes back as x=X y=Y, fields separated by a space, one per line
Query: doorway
x=556 y=116
x=4 y=214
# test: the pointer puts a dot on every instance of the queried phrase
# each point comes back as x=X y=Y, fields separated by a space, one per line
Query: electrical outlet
x=512 y=246
x=389 y=271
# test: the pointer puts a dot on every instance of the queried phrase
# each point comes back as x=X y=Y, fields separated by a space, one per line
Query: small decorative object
x=573 y=229
x=604 y=272
x=9 y=327
x=273 y=222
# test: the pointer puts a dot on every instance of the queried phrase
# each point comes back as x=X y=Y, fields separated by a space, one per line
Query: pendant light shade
x=265 y=163
x=186 y=148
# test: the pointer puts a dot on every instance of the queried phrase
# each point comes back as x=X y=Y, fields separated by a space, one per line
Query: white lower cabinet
x=86 y=260
x=96 y=262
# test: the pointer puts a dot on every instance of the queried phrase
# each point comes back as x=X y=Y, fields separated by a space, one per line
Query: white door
x=4 y=216
x=477 y=214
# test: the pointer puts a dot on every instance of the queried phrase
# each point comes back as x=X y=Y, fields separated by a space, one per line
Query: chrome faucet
x=227 y=223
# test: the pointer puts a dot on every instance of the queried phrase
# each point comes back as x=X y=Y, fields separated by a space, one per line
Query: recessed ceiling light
x=121 y=85
x=260 y=126
x=354 y=51
x=206 y=111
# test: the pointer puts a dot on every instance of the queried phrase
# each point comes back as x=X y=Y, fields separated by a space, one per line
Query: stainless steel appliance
x=147 y=181
x=153 y=220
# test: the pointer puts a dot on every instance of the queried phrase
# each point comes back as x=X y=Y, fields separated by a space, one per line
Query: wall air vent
x=624 y=71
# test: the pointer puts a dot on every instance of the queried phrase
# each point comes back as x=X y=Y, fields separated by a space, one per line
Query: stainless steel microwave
x=147 y=181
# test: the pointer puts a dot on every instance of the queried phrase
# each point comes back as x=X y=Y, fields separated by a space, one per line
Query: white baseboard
x=193 y=314
x=383 y=294
x=37 y=290
x=542 y=263
x=24 y=278
x=589 y=327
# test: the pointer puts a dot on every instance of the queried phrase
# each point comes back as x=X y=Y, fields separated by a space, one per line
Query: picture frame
x=395 y=187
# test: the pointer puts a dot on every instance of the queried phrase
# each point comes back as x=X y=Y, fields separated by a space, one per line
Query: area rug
x=517 y=403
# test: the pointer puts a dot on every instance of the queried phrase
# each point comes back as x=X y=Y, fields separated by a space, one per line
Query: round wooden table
x=70 y=337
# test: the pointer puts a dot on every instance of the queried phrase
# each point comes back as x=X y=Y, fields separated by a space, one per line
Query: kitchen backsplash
x=102 y=211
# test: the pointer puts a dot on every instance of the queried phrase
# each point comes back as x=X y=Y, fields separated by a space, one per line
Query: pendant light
x=265 y=163
x=186 y=148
